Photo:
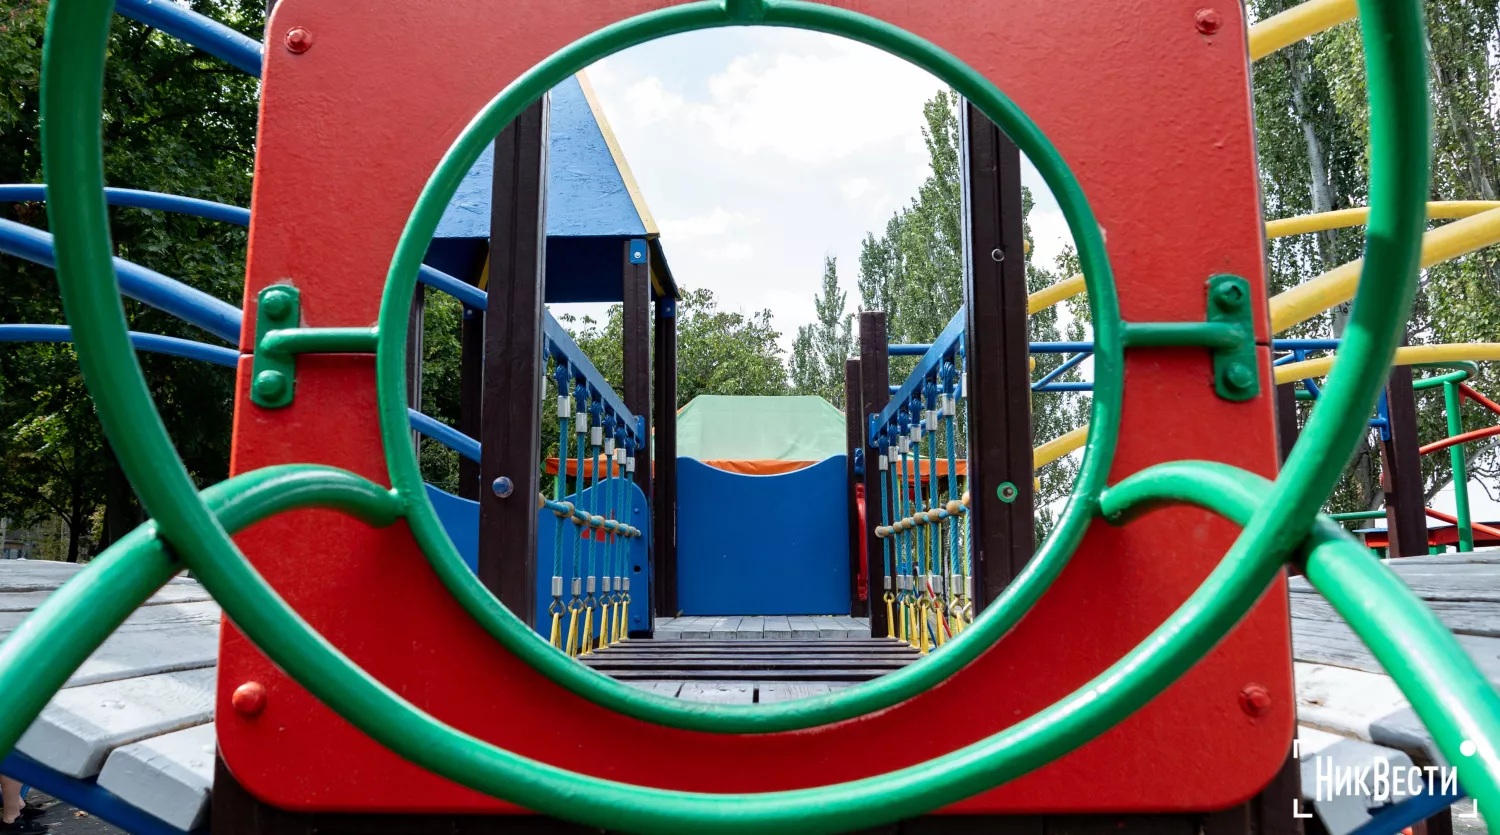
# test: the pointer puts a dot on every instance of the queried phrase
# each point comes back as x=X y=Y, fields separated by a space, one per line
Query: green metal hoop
x=73 y=59
x=996 y=620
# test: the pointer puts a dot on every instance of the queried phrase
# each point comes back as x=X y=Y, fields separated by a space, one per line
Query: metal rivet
x=1208 y=21
x=997 y=255
x=1229 y=296
x=270 y=384
x=1255 y=700
x=1239 y=376
x=277 y=304
x=298 y=40
x=503 y=487
x=249 y=698
x=1007 y=492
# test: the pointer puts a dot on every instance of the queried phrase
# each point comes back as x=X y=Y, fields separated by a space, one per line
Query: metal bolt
x=1255 y=700
x=1007 y=492
x=298 y=40
x=249 y=698
x=1208 y=21
x=503 y=487
x=277 y=304
x=1229 y=296
x=270 y=384
x=996 y=255
x=1239 y=376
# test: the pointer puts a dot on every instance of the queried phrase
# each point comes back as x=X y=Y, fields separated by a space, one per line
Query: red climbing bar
x=1436 y=446
x=1475 y=396
x=1487 y=530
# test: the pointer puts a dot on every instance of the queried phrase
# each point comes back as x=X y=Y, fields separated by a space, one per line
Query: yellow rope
x=890 y=626
x=605 y=633
x=588 y=630
x=1298 y=22
x=572 y=633
x=556 y=637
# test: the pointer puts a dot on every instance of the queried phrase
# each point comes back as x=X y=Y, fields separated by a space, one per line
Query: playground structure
x=476 y=698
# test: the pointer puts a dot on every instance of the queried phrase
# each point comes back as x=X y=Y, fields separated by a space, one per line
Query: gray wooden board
x=42 y=575
x=1478 y=583
x=1462 y=617
x=715 y=674
x=661 y=688
x=155 y=639
x=25 y=601
x=777 y=628
x=803 y=628
x=751 y=628
x=725 y=628
x=1362 y=705
x=1334 y=643
x=82 y=725
x=169 y=776
x=771 y=691
x=722 y=692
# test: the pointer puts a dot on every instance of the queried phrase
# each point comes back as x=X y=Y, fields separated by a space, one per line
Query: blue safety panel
x=460 y=518
x=763 y=545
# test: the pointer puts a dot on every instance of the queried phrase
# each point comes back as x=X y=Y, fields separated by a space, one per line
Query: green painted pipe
x=1454 y=407
x=49 y=646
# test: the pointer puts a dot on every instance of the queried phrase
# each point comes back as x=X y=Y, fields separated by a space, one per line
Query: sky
x=761 y=151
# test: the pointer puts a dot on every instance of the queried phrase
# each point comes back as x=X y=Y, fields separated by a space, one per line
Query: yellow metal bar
x=1048 y=296
x=1345 y=218
x=1416 y=354
x=1059 y=446
x=1337 y=286
x=1294 y=24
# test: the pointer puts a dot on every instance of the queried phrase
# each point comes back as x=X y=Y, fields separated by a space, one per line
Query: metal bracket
x=1236 y=376
x=1228 y=333
x=279 y=339
x=273 y=375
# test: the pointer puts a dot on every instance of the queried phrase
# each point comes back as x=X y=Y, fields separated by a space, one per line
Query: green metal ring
x=1006 y=492
x=995 y=621
x=77 y=34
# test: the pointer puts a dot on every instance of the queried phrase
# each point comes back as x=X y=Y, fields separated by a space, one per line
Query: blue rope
x=885 y=511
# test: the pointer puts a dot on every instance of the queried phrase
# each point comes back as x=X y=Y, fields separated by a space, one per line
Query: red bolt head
x=1255 y=700
x=249 y=698
x=1208 y=21
x=298 y=40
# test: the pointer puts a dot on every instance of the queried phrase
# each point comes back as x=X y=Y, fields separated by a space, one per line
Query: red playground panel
x=1153 y=116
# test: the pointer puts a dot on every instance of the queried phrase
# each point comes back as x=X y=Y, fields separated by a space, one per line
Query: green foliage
x=819 y=352
x=1312 y=125
x=175 y=120
x=914 y=272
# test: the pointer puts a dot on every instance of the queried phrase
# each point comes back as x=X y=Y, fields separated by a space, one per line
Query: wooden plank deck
x=138 y=715
x=1351 y=713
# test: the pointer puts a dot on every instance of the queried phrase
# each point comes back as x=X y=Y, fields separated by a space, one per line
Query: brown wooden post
x=636 y=286
x=1286 y=419
x=854 y=438
x=1401 y=470
x=1003 y=537
x=664 y=517
x=513 y=366
x=470 y=386
x=874 y=394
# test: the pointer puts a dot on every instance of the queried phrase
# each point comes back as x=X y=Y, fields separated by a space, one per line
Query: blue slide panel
x=460 y=517
x=762 y=545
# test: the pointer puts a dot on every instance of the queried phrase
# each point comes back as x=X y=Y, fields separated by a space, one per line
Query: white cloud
x=647 y=102
x=717 y=222
x=732 y=251
x=856 y=187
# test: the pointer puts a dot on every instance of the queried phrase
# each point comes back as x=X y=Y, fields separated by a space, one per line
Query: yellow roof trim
x=614 y=150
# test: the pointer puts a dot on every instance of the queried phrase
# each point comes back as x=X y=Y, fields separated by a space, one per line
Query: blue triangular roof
x=592 y=206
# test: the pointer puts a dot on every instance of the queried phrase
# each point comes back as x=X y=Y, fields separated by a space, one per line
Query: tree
x=819 y=352
x=914 y=272
x=175 y=120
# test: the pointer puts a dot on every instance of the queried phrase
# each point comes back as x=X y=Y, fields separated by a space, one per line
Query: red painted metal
x=1453 y=520
x=1469 y=392
x=1455 y=440
x=864 y=542
x=1127 y=90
